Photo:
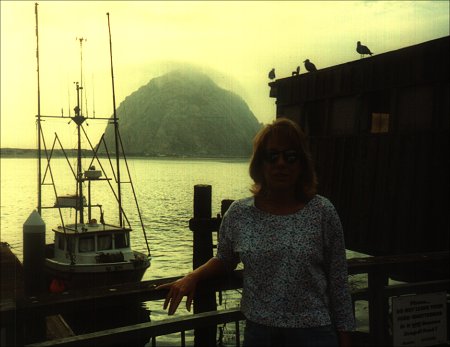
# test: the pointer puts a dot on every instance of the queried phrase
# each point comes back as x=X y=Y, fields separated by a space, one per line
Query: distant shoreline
x=32 y=153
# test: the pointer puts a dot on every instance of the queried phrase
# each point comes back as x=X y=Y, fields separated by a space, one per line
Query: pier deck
x=12 y=289
x=377 y=294
x=11 y=271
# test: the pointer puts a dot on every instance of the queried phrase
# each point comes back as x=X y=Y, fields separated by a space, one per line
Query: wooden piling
x=34 y=254
x=33 y=267
x=202 y=251
x=378 y=308
x=225 y=205
x=11 y=289
x=205 y=298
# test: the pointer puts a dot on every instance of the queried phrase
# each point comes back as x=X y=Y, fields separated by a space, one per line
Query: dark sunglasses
x=290 y=156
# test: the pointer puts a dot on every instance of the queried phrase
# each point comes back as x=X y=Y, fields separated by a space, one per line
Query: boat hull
x=76 y=276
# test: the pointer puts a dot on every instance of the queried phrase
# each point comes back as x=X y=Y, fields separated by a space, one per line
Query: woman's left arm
x=341 y=308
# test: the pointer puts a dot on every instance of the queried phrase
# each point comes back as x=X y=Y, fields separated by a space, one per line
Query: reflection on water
x=164 y=189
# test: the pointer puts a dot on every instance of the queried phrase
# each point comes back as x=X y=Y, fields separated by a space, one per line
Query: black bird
x=310 y=66
x=363 y=50
x=272 y=74
x=296 y=72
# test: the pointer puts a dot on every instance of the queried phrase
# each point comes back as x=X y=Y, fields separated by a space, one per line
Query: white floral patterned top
x=295 y=269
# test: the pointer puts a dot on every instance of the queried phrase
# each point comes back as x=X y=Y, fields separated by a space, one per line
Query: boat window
x=104 y=242
x=86 y=244
x=60 y=241
x=121 y=240
x=71 y=243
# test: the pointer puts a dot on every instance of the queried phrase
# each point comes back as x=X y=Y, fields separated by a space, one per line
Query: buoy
x=57 y=286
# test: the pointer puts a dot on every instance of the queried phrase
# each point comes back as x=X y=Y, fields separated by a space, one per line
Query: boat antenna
x=116 y=128
x=81 y=39
x=68 y=100
x=39 y=206
x=93 y=96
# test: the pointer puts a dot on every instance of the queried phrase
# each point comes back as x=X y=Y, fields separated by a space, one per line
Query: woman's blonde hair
x=286 y=129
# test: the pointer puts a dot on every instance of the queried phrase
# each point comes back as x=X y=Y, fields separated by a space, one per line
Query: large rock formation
x=184 y=113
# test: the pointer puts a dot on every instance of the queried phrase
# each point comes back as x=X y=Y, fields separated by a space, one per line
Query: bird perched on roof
x=309 y=66
x=272 y=74
x=296 y=72
x=363 y=50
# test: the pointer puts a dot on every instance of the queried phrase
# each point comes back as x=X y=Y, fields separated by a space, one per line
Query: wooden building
x=379 y=133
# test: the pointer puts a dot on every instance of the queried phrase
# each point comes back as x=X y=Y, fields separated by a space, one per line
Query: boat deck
x=89 y=228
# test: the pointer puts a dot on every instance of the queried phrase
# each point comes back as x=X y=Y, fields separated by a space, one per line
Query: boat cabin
x=92 y=243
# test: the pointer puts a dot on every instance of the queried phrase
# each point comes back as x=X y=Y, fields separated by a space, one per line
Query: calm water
x=164 y=189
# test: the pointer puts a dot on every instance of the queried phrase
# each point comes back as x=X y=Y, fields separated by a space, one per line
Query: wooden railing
x=377 y=294
x=378 y=291
x=120 y=336
x=22 y=316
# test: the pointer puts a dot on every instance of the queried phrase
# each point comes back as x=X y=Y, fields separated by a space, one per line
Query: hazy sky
x=236 y=41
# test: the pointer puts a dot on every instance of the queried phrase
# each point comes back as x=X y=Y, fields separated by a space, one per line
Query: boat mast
x=116 y=129
x=39 y=187
x=79 y=119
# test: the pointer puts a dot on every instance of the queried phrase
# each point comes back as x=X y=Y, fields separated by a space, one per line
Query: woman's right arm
x=225 y=260
x=186 y=286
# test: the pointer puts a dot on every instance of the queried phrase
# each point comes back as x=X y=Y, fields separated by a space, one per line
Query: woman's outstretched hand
x=177 y=290
x=186 y=286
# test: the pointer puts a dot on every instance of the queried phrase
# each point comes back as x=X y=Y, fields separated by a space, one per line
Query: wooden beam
x=157 y=328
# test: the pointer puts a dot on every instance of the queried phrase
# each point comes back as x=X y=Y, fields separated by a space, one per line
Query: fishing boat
x=88 y=250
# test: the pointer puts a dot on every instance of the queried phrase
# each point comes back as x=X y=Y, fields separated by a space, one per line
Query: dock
x=11 y=286
x=20 y=314
x=12 y=291
x=376 y=294
x=52 y=306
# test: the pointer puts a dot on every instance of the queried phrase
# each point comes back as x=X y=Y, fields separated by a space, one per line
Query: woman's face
x=281 y=165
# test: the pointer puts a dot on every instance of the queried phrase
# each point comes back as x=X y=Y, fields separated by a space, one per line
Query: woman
x=290 y=240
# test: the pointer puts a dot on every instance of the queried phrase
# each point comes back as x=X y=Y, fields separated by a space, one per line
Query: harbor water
x=164 y=189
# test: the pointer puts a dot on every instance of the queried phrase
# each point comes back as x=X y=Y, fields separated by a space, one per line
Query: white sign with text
x=419 y=320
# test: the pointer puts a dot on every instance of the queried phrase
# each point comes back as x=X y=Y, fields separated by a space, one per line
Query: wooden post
x=205 y=298
x=33 y=266
x=378 y=308
x=34 y=254
x=225 y=206
x=202 y=251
